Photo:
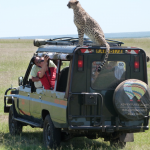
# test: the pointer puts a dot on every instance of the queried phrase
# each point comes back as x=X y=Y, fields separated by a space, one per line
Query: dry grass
x=143 y=43
x=15 y=57
x=139 y=42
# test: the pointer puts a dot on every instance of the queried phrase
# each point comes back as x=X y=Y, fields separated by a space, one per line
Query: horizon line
x=70 y=34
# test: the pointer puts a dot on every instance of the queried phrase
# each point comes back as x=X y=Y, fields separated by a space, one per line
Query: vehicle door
x=104 y=82
x=35 y=104
x=48 y=100
x=24 y=102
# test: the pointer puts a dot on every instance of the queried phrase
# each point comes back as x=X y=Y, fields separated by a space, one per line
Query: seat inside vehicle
x=63 y=79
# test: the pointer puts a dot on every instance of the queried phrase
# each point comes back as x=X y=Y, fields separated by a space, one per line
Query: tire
x=131 y=99
x=15 y=127
x=117 y=143
x=51 y=135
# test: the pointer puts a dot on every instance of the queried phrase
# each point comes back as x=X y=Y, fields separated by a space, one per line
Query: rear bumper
x=110 y=129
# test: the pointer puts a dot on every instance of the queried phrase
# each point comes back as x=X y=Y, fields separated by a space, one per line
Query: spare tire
x=131 y=99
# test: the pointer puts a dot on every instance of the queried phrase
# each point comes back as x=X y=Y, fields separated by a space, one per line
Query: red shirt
x=48 y=80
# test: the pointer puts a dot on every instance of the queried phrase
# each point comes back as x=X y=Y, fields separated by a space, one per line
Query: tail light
x=80 y=63
x=136 y=64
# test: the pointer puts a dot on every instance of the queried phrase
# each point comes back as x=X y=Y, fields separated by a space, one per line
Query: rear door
x=91 y=98
x=116 y=70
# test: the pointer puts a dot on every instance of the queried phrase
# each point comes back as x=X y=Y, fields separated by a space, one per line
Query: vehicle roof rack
x=115 y=42
x=72 y=41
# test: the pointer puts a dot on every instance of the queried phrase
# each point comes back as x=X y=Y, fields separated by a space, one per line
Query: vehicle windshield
x=109 y=77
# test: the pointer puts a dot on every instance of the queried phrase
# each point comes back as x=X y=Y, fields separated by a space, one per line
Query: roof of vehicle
x=67 y=44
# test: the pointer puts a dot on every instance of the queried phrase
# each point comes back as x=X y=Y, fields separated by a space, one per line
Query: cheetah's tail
x=106 y=57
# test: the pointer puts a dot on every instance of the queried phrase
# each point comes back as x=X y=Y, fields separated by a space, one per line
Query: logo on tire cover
x=135 y=88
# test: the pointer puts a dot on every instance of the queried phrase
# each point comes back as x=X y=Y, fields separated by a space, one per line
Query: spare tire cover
x=132 y=99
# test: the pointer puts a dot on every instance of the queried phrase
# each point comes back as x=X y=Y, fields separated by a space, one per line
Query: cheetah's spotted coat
x=86 y=24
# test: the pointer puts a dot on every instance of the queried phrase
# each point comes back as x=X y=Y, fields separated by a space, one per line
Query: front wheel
x=51 y=135
x=15 y=127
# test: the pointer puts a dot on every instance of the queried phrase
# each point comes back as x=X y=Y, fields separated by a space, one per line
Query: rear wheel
x=117 y=143
x=15 y=127
x=51 y=135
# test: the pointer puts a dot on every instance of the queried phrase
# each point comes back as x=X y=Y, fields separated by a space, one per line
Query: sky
x=52 y=17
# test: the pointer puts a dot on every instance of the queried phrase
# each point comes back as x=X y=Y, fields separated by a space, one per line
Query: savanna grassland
x=14 y=59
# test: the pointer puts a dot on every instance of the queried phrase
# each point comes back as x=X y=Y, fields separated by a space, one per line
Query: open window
x=62 y=61
x=63 y=72
x=27 y=82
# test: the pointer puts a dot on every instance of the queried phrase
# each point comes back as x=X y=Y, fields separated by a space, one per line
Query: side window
x=27 y=76
x=63 y=76
x=109 y=77
x=64 y=64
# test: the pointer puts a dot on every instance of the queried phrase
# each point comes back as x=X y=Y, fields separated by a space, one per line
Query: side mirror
x=20 y=81
x=147 y=58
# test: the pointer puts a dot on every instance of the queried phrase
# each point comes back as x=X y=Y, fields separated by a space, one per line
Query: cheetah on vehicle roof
x=86 y=24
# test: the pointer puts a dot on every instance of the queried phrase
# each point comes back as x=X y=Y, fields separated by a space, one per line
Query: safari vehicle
x=112 y=103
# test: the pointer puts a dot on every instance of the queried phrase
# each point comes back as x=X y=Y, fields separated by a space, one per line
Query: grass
x=15 y=56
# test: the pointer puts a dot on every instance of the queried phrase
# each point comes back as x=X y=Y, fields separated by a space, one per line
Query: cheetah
x=87 y=25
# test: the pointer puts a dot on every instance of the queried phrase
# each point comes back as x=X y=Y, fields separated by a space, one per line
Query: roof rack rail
x=71 y=41
x=114 y=41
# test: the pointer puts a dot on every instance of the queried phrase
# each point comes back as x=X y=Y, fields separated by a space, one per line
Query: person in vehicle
x=38 y=62
x=47 y=75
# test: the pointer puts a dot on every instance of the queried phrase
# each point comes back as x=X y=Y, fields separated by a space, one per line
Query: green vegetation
x=15 y=57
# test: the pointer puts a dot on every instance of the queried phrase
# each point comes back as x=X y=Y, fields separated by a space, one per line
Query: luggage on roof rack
x=71 y=41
